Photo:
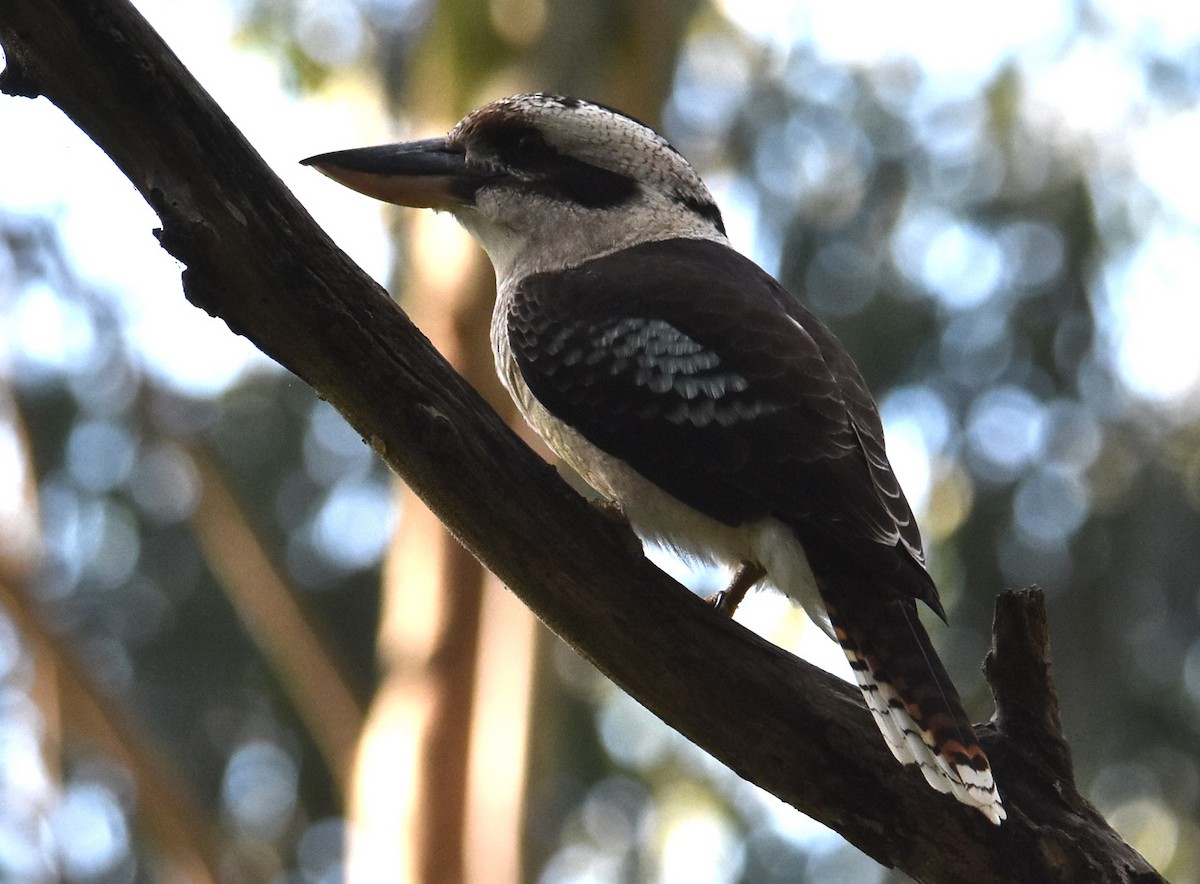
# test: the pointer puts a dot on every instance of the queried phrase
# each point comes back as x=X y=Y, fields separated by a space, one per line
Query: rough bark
x=256 y=259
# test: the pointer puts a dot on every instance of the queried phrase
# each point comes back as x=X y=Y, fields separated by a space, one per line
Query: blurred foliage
x=968 y=253
x=122 y=575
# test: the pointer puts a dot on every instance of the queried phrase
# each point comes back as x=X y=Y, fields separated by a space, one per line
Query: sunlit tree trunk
x=441 y=770
x=412 y=794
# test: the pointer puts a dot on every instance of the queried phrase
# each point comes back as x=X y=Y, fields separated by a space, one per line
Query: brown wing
x=687 y=361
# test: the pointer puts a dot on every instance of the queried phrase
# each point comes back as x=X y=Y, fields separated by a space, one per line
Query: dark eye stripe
x=523 y=148
x=589 y=185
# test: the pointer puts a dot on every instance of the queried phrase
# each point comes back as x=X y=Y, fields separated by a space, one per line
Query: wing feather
x=687 y=361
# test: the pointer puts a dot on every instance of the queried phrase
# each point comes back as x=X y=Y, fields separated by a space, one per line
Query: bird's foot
x=727 y=600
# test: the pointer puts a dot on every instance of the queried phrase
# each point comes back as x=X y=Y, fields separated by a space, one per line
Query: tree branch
x=256 y=259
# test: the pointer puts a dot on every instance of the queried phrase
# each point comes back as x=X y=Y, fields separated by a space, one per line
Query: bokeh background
x=231 y=647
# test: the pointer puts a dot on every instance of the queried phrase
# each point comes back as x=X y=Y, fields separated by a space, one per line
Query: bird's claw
x=727 y=600
x=723 y=602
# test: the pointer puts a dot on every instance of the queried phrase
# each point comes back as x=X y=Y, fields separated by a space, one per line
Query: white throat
x=527 y=236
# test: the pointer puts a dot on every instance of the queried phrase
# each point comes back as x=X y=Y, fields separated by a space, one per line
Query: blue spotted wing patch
x=673 y=376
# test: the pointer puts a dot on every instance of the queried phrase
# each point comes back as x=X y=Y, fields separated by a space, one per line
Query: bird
x=690 y=389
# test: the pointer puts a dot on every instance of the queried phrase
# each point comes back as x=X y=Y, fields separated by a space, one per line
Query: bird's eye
x=523 y=147
x=529 y=145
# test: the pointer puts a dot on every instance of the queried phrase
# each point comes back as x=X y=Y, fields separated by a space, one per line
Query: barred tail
x=913 y=700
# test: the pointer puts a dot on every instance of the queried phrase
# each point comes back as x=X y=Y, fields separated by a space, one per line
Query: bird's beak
x=427 y=174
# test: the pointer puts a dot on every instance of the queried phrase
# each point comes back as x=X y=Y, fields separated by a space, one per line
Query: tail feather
x=913 y=701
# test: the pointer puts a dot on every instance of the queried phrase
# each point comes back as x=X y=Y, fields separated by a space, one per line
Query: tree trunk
x=455 y=687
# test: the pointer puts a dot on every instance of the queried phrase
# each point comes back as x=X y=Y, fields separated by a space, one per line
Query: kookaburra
x=687 y=386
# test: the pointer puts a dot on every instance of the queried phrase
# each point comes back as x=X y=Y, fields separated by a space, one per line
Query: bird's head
x=543 y=182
